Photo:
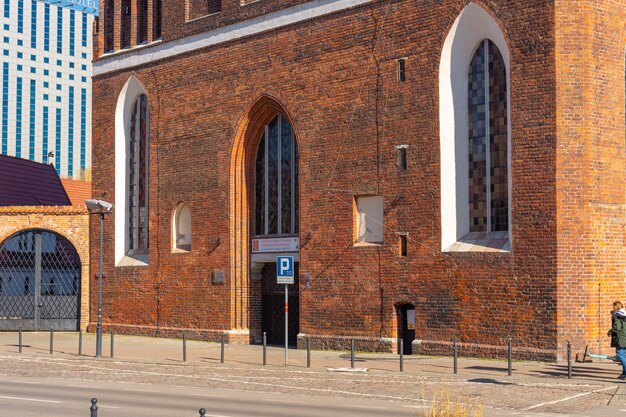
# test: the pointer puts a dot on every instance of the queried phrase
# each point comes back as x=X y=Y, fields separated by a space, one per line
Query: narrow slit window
x=403 y=245
x=402 y=163
x=402 y=70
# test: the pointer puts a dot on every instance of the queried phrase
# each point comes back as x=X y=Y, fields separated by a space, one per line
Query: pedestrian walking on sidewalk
x=618 y=334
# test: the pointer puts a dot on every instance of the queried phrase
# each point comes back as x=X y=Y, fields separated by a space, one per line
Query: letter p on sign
x=284 y=270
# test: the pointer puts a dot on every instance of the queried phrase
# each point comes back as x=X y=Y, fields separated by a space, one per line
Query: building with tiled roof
x=44 y=248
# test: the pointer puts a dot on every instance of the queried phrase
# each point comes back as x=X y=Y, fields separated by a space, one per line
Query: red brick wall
x=336 y=76
x=201 y=8
x=187 y=17
x=591 y=168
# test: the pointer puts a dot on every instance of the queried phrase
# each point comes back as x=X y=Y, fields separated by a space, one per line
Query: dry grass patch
x=445 y=406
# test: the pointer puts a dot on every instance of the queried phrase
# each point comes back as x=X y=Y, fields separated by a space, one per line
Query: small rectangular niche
x=369 y=228
x=196 y=9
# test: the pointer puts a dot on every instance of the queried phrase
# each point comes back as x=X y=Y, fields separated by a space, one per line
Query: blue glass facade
x=5 y=107
x=70 y=134
x=84 y=31
x=46 y=52
x=57 y=151
x=72 y=33
x=20 y=16
x=45 y=129
x=31 y=130
x=46 y=27
x=83 y=127
x=59 y=30
x=33 y=25
x=18 y=117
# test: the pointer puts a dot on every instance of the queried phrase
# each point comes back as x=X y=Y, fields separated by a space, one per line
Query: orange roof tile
x=78 y=191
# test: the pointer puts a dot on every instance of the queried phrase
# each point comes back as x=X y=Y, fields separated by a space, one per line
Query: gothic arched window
x=487 y=117
x=276 y=180
x=181 y=228
x=138 y=178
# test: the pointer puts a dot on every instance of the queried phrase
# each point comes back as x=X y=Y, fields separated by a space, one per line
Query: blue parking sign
x=284 y=270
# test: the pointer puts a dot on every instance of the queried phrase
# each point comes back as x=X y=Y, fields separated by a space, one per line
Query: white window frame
x=177 y=246
x=123 y=111
x=473 y=25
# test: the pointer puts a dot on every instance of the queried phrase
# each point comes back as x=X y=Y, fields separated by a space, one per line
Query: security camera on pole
x=284 y=275
x=99 y=207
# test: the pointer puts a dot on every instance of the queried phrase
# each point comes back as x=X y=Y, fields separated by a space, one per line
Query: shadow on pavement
x=489 y=381
x=586 y=372
x=487 y=368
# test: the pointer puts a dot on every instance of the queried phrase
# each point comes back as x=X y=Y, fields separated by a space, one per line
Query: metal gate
x=39 y=282
x=273 y=307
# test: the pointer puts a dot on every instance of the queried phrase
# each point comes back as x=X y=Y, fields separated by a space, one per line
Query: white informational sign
x=284 y=270
x=410 y=319
x=279 y=244
x=86 y=6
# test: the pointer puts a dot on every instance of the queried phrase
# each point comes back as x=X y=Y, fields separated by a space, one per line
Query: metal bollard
x=222 y=351
x=20 y=340
x=112 y=342
x=51 y=339
x=80 y=343
x=401 y=343
x=456 y=357
x=202 y=412
x=510 y=357
x=264 y=348
x=94 y=407
x=569 y=360
x=184 y=347
x=352 y=353
x=308 y=352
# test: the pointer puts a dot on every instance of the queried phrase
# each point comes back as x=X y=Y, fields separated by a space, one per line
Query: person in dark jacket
x=618 y=334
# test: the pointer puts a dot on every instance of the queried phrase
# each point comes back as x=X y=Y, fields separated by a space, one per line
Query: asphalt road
x=46 y=397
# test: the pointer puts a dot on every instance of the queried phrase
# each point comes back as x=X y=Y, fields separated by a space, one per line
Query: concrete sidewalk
x=533 y=389
x=161 y=350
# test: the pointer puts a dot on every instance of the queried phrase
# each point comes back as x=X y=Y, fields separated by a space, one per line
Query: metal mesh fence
x=39 y=282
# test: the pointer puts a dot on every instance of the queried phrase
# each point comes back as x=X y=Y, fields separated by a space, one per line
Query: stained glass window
x=138 y=177
x=488 y=126
x=276 y=179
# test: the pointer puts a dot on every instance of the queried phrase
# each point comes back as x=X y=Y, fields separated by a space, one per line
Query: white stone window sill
x=110 y=54
x=493 y=242
x=202 y=17
x=180 y=250
x=140 y=260
x=367 y=245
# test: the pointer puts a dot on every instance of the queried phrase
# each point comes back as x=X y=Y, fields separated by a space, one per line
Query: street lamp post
x=99 y=207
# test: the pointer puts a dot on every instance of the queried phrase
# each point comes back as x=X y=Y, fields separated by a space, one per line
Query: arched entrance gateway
x=40 y=278
x=264 y=223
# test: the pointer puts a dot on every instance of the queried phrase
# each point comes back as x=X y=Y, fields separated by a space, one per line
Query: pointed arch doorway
x=264 y=223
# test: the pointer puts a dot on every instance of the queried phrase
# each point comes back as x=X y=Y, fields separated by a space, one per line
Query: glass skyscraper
x=46 y=84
